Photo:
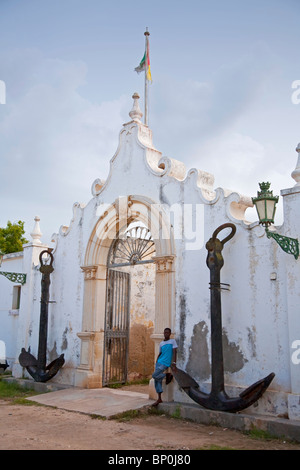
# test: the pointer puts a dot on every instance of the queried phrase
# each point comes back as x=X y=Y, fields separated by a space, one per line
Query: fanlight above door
x=135 y=246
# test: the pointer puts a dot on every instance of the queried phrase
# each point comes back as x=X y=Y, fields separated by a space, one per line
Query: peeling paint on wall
x=162 y=197
x=252 y=340
x=182 y=323
x=199 y=361
x=141 y=352
x=234 y=359
x=64 y=344
x=198 y=364
x=53 y=353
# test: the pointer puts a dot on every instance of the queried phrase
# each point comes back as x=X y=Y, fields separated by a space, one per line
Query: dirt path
x=44 y=428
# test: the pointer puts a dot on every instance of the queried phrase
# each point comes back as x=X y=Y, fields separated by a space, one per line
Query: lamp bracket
x=19 y=278
x=289 y=245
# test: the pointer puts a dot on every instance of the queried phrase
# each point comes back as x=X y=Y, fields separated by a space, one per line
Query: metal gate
x=116 y=332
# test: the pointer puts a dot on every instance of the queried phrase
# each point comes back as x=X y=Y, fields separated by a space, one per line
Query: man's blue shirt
x=166 y=350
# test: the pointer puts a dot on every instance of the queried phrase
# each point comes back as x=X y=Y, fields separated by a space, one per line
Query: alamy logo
x=296 y=94
x=2 y=92
x=296 y=354
x=2 y=352
x=182 y=222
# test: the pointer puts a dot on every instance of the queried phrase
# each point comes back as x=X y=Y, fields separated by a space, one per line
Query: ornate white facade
x=260 y=311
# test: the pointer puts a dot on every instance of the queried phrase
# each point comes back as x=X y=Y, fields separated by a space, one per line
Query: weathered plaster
x=234 y=359
x=198 y=364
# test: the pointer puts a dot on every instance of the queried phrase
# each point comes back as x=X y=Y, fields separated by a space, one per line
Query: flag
x=141 y=65
x=144 y=65
x=148 y=70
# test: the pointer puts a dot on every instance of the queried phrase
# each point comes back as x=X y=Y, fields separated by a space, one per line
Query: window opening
x=16 y=297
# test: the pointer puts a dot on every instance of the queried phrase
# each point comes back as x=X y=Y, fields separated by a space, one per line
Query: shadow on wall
x=141 y=352
x=199 y=360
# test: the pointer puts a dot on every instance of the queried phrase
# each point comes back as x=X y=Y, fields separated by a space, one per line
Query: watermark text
x=184 y=222
x=296 y=354
x=2 y=92
x=296 y=94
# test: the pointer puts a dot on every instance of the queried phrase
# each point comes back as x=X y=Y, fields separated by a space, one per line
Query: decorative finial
x=264 y=187
x=296 y=173
x=36 y=233
x=136 y=114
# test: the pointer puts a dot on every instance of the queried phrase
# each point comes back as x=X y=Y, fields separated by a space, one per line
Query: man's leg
x=158 y=376
x=169 y=378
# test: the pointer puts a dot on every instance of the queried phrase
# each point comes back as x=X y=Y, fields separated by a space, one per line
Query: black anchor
x=37 y=367
x=218 y=399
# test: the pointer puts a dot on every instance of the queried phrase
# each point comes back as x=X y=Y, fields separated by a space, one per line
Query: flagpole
x=146 y=33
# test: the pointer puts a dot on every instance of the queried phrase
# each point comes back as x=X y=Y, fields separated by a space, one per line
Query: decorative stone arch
x=113 y=219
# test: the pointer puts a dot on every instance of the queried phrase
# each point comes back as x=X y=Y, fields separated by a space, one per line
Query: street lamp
x=265 y=204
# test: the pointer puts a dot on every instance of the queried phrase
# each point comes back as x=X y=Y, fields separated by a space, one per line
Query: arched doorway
x=130 y=306
x=99 y=247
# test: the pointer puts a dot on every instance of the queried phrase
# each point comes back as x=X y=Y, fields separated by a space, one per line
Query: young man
x=166 y=357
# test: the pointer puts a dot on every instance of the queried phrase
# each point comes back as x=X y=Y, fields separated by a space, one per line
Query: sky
x=221 y=99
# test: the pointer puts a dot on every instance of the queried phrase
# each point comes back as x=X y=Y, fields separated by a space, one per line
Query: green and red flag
x=144 y=65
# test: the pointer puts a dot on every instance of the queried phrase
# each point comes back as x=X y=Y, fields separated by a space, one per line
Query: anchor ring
x=41 y=257
x=222 y=227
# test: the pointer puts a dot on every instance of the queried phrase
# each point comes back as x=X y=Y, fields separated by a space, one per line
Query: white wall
x=8 y=315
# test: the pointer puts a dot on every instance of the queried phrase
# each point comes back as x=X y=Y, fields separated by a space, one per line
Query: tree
x=11 y=237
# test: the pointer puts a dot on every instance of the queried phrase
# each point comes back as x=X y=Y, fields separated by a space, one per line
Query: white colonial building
x=133 y=261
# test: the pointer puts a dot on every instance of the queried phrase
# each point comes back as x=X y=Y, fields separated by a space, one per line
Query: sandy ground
x=44 y=428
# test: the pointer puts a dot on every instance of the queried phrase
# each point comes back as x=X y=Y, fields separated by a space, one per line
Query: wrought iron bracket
x=19 y=278
x=287 y=244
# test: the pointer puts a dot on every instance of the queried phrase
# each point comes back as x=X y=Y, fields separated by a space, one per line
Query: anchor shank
x=216 y=335
x=215 y=262
x=43 y=332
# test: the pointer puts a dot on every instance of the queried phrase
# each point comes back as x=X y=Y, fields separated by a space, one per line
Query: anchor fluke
x=221 y=401
x=184 y=380
x=28 y=361
x=255 y=391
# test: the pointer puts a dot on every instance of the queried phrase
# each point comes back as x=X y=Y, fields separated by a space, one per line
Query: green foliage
x=144 y=381
x=177 y=413
x=256 y=433
x=144 y=412
x=11 y=237
x=14 y=393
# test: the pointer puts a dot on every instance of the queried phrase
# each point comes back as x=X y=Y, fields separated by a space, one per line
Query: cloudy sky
x=221 y=97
